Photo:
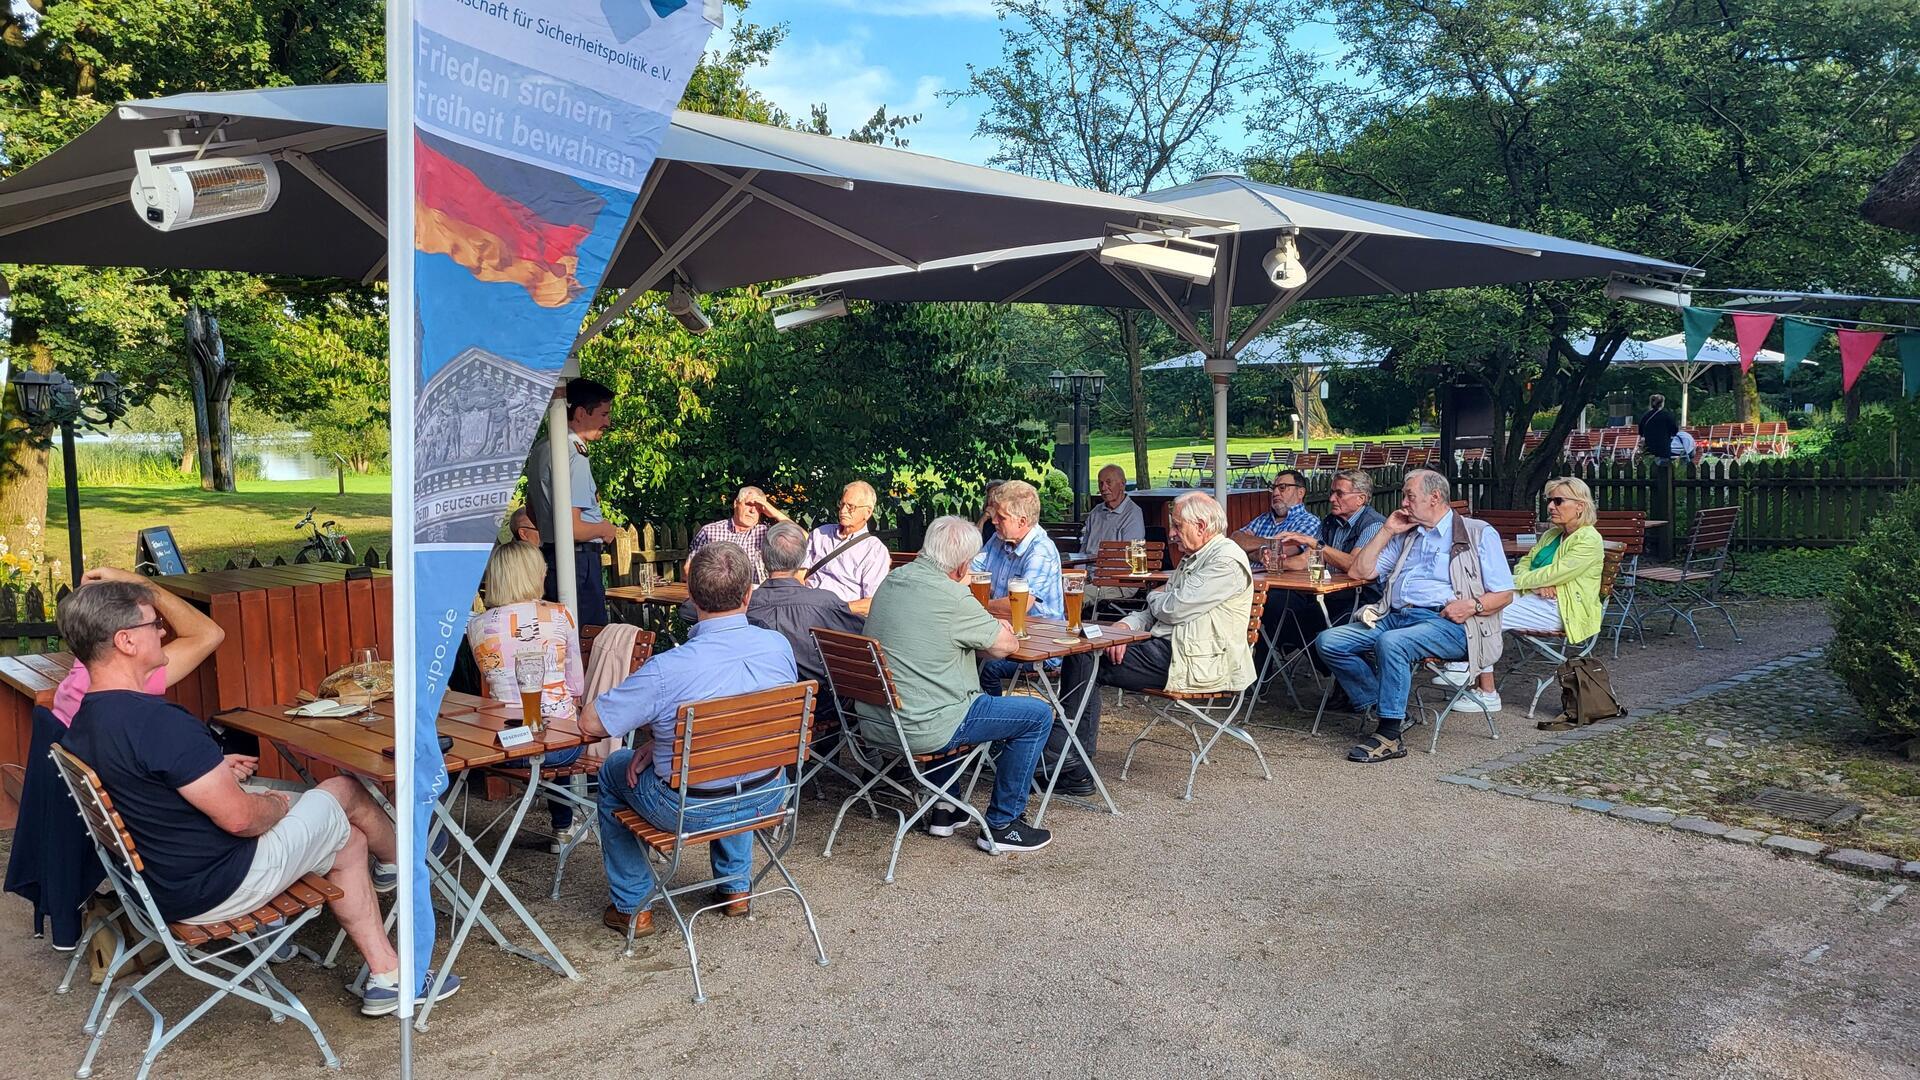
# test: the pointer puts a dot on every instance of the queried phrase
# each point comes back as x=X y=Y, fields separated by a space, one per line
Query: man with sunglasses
x=1350 y=522
x=1287 y=515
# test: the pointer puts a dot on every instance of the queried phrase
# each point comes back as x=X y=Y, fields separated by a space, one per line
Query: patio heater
x=50 y=399
x=1083 y=388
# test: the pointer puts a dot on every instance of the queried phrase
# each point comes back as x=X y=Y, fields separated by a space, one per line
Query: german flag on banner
x=501 y=219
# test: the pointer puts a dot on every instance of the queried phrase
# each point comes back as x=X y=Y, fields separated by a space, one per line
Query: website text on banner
x=533 y=131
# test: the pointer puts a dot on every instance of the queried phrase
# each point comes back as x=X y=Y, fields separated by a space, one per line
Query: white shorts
x=304 y=842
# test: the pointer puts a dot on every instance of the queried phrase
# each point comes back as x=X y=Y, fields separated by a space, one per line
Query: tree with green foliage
x=1126 y=96
x=912 y=398
x=1739 y=138
x=1876 y=622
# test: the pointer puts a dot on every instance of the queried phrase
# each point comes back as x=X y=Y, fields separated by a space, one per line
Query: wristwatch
x=1477 y=609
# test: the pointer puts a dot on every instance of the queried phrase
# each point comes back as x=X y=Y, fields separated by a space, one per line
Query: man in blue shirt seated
x=1288 y=514
x=1021 y=549
x=724 y=655
x=211 y=849
x=1446 y=579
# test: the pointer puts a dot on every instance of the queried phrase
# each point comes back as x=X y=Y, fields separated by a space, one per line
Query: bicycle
x=325 y=544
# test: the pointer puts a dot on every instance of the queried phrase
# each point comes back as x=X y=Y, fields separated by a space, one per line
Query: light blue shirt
x=1423 y=581
x=722 y=656
x=583 y=493
x=1034 y=558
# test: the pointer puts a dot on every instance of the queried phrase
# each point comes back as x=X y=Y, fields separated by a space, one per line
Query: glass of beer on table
x=1137 y=557
x=530 y=671
x=982 y=585
x=1018 y=597
x=1073 y=588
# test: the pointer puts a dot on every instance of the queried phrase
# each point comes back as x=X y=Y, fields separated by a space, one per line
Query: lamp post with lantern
x=50 y=399
x=1083 y=388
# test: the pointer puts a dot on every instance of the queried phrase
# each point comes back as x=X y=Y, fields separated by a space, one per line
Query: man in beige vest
x=1446 y=579
x=1199 y=626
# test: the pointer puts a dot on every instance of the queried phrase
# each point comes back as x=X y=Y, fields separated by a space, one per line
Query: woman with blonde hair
x=1558 y=581
x=517 y=619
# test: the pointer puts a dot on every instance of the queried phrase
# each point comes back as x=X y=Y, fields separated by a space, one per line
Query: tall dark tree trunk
x=1570 y=380
x=1746 y=398
x=1129 y=321
x=213 y=398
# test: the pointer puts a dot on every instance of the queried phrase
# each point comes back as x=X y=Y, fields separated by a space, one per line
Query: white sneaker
x=1455 y=675
x=566 y=837
x=1476 y=699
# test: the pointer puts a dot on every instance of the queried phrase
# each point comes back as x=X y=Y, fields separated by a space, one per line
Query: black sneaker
x=1079 y=787
x=943 y=819
x=1016 y=835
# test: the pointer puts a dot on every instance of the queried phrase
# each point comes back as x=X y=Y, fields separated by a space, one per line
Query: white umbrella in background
x=1669 y=354
x=1309 y=348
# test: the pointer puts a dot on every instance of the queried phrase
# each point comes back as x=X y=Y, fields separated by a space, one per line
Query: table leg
x=553 y=959
x=1073 y=739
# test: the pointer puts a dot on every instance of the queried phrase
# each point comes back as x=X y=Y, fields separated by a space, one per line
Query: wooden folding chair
x=1628 y=528
x=1549 y=649
x=714 y=740
x=1213 y=713
x=1697 y=581
x=1510 y=524
x=1110 y=570
x=230 y=956
x=857 y=674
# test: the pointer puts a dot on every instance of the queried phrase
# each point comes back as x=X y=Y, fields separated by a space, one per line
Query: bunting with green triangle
x=1698 y=324
x=1909 y=346
x=1798 y=339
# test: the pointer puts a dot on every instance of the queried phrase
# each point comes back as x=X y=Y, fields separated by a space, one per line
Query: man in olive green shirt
x=932 y=629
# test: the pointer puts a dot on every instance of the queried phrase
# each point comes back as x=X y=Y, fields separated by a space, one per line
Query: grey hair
x=1016 y=497
x=951 y=543
x=1199 y=508
x=785 y=548
x=92 y=614
x=1361 y=479
x=861 y=487
x=1112 y=467
x=749 y=490
x=1431 y=483
x=719 y=577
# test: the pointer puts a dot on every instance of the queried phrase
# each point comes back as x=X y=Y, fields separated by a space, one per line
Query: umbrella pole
x=1220 y=433
x=562 y=502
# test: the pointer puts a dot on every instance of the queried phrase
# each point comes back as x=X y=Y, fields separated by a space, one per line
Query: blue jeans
x=1375 y=664
x=1020 y=726
x=629 y=874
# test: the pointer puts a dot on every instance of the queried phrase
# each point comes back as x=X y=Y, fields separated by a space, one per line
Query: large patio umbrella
x=1349 y=247
x=1308 y=347
x=728 y=203
x=1669 y=354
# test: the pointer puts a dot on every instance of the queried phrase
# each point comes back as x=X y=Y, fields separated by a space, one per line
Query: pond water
x=280 y=457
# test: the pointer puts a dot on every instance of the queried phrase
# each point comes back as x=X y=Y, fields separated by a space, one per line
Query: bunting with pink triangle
x=1856 y=348
x=1750 y=330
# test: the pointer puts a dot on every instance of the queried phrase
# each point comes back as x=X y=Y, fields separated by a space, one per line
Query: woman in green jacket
x=1558 y=581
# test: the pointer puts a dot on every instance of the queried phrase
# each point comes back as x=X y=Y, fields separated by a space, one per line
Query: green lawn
x=1118 y=449
x=256 y=521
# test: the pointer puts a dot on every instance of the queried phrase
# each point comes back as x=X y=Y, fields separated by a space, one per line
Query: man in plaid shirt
x=746 y=528
x=1288 y=515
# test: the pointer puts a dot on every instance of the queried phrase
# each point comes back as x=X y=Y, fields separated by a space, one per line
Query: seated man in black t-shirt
x=213 y=850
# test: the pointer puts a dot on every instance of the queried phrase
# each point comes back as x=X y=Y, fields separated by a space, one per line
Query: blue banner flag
x=523 y=134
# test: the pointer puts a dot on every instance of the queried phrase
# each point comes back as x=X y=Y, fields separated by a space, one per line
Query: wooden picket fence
x=1783 y=503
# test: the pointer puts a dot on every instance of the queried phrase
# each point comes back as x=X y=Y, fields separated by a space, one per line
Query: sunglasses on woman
x=1558 y=499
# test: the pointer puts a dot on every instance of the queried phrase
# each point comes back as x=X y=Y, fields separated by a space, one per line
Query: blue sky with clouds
x=856 y=56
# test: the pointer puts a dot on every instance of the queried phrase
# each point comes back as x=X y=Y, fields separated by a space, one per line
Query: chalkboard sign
x=156 y=546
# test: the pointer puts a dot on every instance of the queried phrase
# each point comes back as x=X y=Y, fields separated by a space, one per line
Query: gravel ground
x=1339 y=921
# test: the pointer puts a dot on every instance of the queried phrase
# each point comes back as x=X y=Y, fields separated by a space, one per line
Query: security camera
x=792 y=318
x=1282 y=264
x=189 y=191
x=682 y=305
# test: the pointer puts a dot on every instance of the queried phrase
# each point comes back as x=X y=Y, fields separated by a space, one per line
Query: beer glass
x=1137 y=557
x=1074 y=589
x=1316 y=566
x=1271 y=555
x=1018 y=597
x=982 y=586
x=530 y=671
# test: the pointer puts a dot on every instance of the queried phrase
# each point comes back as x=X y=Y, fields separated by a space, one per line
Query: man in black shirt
x=213 y=850
x=1657 y=429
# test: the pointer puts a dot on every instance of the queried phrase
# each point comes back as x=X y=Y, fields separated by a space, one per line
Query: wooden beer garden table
x=658 y=609
x=1049 y=639
x=361 y=750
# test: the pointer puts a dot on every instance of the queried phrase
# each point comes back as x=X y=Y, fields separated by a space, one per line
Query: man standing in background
x=589 y=411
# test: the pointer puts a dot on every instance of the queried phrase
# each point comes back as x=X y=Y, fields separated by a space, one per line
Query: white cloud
x=839 y=75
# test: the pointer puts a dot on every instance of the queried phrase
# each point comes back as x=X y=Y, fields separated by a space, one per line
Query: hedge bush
x=1876 y=620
